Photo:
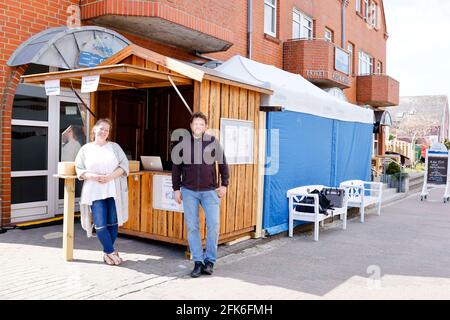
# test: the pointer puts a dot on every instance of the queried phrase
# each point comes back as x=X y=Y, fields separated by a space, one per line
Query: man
x=194 y=180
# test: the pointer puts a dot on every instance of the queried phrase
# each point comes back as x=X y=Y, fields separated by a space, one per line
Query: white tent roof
x=293 y=92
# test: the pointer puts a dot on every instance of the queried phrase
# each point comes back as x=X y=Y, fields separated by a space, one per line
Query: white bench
x=297 y=194
x=362 y=194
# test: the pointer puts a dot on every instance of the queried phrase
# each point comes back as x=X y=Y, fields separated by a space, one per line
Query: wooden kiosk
x=137 y=90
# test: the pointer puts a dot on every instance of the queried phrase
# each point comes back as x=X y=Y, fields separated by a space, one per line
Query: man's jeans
x=105 y=222
x=210 y=203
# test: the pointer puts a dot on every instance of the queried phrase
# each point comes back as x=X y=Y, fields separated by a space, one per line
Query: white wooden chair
x=362 y=194
x=297 y=194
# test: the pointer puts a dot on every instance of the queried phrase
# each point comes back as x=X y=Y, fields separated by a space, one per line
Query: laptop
x=151 y=163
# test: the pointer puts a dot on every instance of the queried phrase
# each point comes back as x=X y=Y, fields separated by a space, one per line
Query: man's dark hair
x=199 y=115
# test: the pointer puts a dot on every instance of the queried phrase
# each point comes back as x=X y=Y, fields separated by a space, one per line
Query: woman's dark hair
x=199 y=115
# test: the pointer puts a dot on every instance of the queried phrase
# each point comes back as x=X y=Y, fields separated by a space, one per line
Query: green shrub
x=393 y=168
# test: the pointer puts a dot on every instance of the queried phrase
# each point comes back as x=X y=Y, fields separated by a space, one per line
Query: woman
x=104 y=167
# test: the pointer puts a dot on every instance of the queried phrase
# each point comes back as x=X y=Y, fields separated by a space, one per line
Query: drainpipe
x=344 y=4
x=249 y=28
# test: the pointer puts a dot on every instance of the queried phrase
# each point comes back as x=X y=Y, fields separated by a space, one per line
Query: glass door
x=29 y=154
x=72 y=124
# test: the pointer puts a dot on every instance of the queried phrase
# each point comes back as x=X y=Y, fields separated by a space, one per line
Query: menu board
x=236 y=137
x=437 y=170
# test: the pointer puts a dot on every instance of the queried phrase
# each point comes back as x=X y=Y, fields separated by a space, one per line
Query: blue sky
x=418 y=48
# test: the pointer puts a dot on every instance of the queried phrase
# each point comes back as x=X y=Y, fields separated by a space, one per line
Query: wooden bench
x=362 y=194
x=297 y=195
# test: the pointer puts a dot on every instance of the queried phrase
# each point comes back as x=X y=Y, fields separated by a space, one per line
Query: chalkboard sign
x=437 y=170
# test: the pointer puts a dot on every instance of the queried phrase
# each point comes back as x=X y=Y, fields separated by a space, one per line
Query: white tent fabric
x=293 y=92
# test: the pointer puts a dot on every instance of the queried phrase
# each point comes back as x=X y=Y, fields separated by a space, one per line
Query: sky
x=418 y=48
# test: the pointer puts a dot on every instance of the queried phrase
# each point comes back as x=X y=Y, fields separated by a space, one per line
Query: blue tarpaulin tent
x=317 y=139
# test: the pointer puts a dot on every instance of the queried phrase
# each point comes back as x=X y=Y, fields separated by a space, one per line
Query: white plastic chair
x=362 y=194
x=297 y=194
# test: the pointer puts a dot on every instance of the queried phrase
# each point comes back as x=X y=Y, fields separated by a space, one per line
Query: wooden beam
x=103 y=81
x=260 y=172
x=33 y=78
x=161 y=84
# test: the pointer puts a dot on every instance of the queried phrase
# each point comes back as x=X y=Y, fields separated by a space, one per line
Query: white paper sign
x=236 y=137
x=89 y=83
x=163 y=194
x=52 y=87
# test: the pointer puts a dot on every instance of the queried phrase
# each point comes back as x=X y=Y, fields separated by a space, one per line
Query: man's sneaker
x=197 y=269
x=208 y=268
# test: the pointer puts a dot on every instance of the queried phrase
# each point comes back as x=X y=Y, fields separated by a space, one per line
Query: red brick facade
x=378 y=90
x=221 y=19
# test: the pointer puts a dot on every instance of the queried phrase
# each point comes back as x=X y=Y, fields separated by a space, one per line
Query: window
x=379 y=67
x=366 y=9
x=373 y=14
x=350 y=49
x=328 y=35
x=270 y=14
x=302 y=25
x=358 y=6
x=365 y=63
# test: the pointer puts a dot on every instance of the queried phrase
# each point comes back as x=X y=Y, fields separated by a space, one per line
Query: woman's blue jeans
x=210 y=202
x=105 y=222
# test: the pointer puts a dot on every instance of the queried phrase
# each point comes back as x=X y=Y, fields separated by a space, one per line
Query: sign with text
x=89 y=83
x=163 y=194
x=437 y=170
x=52 y=87
x=341 y=60
x=236 y=138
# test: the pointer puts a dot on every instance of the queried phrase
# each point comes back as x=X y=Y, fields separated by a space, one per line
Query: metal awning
x=66 y=48
x=383 y=117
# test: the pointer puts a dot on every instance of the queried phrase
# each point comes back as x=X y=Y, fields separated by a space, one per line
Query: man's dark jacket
x=200 y=175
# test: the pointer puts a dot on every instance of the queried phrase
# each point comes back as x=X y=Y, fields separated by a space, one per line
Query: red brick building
x=336 y=44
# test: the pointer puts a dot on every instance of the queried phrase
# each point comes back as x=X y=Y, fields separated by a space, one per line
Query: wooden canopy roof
x=135 y=67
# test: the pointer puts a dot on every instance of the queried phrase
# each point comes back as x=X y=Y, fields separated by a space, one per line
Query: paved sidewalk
x=403 y=254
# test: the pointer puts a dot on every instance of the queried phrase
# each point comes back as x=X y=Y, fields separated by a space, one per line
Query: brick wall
x=18 y=21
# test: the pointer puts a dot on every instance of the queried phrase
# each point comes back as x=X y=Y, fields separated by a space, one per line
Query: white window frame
x=273 y=7
x=366 y=9
x=373 y=14
x=301 y=24
x=379 y=67
x=366 y=60
x=53 y=205
x=358 y=6
x=330 y=32
x=350 y=49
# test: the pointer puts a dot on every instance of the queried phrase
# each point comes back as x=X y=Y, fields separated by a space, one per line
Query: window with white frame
x=302 y=25
x=379 y=67
x=366 y=9
x=373 y=14
x=328 y=35
x=358 y=6
x=350 y=49
x=365 y=63
x=270 y=17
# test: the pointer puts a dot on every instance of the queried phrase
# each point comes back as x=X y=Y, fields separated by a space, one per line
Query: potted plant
x=392 y=169
x=396 y=178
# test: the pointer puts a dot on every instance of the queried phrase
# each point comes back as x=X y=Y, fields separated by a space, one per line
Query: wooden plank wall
x=238 y=208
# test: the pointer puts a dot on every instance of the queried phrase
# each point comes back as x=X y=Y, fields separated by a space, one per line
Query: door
x=38 y=124
x=129 y=115
x=72 y=124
